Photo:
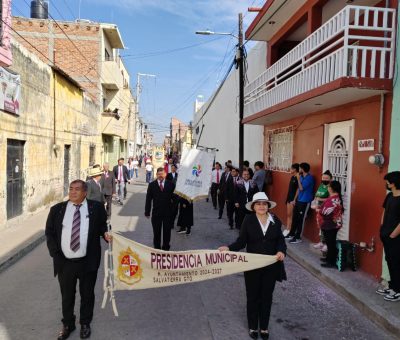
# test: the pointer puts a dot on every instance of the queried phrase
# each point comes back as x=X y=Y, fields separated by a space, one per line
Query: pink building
x=5 y=45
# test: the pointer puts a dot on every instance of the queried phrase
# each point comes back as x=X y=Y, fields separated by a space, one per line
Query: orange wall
x=368 y=187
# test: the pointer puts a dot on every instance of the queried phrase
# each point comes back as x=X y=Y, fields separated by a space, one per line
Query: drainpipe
x=54 y=102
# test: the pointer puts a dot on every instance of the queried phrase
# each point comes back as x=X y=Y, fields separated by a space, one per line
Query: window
x=280 y=149
x=107 y=55
x=92 y=154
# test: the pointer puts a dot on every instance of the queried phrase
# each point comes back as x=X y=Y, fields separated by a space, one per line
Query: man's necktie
x=161 y=186
x=76 y=229
x=217 y=177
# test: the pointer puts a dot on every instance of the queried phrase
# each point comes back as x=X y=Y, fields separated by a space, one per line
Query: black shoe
x=323 y=259
x=206 y=199
x=328 y=265
x=219 y=217
x=65 y=332
x=253 y=334
x=188 y=232
x=85 y=331
x=288 y=236
x=181 y=231
x=120 y=203
x=264 y=335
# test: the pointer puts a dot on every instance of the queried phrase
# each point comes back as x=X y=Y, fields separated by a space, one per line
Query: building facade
x=325 y=98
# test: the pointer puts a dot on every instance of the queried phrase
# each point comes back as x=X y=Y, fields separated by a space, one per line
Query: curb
x=376 y=315
x=14 y=255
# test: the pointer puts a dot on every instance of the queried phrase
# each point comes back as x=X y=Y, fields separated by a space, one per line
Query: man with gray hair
x=108 y=187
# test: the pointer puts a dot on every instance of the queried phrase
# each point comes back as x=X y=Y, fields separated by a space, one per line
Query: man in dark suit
x=173 y=177
x=230 y=187
x=94 y=191
x=121 y=174
x=222 y=187
x=108 y=186
x=244 y=191
x=73 y=231
x=160 y=193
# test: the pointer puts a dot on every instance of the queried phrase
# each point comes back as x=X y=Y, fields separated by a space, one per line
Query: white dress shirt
x=264 y=227
x=214 y=175
x=67 y=229
x=247 y=185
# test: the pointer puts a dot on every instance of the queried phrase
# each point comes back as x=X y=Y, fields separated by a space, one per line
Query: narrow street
x=303 y=307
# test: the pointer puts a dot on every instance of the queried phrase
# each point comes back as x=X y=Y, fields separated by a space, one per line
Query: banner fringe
x=197 y=198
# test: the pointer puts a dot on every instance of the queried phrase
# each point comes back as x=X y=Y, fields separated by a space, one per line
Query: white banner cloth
x=194 y=178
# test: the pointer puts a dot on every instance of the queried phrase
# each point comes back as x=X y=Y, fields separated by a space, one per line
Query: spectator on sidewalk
x=94 y=190
x=331 y=217
x=108 y=186
x=244 y=192
x=390 y=235
x=149 y=171
x=320 y=197
x=185 y=218
x=259 y=175
x=291 y=197
x=130 y=167
x=306 y=187
x=159 y=202
x=121 y=178
x=76 y=253
x=216 y=176
x=261 y=233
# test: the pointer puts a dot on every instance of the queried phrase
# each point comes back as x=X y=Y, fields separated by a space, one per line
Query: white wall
x=221 y=122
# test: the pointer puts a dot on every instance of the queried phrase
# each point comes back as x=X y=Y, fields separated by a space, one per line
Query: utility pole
x=137 y=99
x=240 y=60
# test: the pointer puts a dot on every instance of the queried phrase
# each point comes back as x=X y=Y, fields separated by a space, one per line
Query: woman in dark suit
x=261 y=233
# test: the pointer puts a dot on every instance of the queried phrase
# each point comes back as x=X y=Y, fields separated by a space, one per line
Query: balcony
x=111 y=124
x=350 y=57
x=111 y=76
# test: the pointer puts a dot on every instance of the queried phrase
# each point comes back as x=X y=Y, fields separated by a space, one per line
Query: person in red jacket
x=330 y=215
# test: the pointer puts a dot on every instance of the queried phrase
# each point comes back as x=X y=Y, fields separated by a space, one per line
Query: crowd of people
x=76 y=249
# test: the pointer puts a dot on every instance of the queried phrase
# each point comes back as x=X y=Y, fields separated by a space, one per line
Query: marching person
x=185 y=218
x=245 y=190
x=94 y=191
x=221 y=189
x=159 y=193
x=173 y=177
x=121 y=178
x=108 y=187
x=261 y=233
x=215 y=180
x=230 y=196
x=73 y=231
x=149 y=171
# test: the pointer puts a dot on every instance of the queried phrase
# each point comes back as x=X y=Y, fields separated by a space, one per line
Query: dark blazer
x=241 y=195
x=108 y=184
x=230 y=187
x=162 y=200
x=125 y=172
x=97 y=228
x=222 y=183
x=170 y=178
x=94 y=192
x=252 y=237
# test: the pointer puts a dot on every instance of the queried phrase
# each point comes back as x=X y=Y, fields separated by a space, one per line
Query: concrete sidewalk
x=357 y=287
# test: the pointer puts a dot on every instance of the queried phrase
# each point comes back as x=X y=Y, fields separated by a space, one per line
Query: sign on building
x=10 y=86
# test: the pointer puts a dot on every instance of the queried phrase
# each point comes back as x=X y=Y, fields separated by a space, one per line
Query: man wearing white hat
x=94 y=191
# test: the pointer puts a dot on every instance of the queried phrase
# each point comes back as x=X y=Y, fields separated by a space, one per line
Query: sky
x=160 y=39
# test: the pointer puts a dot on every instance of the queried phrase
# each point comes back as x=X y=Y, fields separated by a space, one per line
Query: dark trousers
x=392 y=256
x=330 y=240
x=108 y=205
x=260 y=285
x=240 y=214
x=162 y=224
x=214 y=194
x=230 y=210
x=221 y=203
x=175 y=209
x=299 y=216
x=68 y=277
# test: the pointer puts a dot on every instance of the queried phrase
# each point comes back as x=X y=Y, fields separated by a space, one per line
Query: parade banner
x=158 y=158
x=195 y=170
x=134 y=266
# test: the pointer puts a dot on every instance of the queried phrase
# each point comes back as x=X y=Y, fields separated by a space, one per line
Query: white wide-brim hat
x=260 y=196
x=93 y=172
x=148 y=161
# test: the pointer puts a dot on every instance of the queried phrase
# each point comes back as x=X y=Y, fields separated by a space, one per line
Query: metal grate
x=280 y=149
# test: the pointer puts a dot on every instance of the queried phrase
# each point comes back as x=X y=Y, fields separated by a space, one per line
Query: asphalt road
x=304 y=308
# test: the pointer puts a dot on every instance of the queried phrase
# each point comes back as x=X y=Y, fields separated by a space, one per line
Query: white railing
x=357 y=42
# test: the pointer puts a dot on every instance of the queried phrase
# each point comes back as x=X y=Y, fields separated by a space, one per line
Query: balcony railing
x=357 y=42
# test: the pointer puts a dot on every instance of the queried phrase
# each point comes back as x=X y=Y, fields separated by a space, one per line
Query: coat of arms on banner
x=129 y=269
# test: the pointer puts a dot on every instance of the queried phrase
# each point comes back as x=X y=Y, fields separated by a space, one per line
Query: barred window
x=280 y=149
x=92 y=154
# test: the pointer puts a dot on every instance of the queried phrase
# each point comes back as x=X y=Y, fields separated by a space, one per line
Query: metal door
x=67 y=161
x=15 y=177
x=338 y=156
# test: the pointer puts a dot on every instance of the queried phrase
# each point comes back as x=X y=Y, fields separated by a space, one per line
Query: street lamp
x=239 y=61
